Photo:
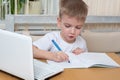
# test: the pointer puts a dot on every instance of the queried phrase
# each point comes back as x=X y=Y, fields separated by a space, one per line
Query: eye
x=67 y=25
x=78 y=27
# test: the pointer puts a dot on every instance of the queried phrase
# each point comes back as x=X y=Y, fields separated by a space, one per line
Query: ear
x=58 y=22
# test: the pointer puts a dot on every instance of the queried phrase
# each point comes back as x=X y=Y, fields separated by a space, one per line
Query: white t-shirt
x=45 y=43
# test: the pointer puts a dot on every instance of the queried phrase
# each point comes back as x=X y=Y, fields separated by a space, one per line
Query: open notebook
x=88 y=59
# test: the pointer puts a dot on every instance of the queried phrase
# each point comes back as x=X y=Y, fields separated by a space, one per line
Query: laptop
x=16 y=58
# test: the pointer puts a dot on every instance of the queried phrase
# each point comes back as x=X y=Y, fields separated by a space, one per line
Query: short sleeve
x=43 y=43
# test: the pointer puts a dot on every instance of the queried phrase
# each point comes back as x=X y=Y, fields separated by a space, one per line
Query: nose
x=72 y=30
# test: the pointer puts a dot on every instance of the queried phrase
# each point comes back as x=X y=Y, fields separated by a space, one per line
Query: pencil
x=56 y=45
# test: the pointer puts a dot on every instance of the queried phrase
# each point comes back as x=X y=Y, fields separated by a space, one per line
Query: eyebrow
x=70 y=24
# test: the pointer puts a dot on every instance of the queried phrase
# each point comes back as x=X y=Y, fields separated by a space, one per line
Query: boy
x=71 y=19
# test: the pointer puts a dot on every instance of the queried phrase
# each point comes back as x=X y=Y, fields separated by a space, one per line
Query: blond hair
x=73 y=8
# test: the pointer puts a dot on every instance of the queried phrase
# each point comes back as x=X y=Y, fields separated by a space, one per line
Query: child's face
x=70 y=28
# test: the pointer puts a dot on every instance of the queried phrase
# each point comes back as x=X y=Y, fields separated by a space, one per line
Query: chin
x=71 y=40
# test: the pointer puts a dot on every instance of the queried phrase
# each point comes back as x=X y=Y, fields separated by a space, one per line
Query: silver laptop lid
x=16 y=55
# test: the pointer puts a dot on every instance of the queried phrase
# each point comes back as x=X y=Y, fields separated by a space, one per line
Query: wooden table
x=82 y=74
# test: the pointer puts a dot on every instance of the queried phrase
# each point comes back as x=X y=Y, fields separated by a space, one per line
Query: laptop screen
x=16 y=55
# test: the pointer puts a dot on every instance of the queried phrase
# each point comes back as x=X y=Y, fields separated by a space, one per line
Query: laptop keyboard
x=43 y=70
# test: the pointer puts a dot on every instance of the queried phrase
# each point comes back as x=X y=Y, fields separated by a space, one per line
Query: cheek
x=66 y=31
x=78 y=32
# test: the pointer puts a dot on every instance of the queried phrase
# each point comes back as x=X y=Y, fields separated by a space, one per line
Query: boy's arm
x=37 y=53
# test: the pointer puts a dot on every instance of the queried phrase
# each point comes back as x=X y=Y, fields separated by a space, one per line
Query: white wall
x=104 y=7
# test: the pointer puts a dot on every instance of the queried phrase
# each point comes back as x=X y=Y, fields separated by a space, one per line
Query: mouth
x=71 y=37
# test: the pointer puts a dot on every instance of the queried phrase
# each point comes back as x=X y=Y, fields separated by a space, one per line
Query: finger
x=78 y=51
x=73 y=51
x=63 y=57
x=62 y=54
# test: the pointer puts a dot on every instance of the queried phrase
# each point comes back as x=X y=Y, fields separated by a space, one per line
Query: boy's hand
x=60 y=57
x=77 y=51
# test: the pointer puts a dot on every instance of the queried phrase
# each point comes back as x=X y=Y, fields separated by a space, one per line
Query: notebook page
x=76 y=61
x=100 y=60
x=86 y=60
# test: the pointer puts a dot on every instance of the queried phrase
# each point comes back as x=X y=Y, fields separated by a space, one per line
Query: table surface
x=81 y=74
